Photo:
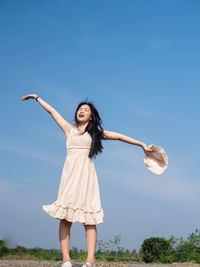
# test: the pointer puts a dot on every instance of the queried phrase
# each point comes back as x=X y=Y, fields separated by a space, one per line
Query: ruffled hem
x=60 y=212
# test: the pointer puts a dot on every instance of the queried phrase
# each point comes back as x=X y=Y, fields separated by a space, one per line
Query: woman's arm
x=64 y=125
x=117 y=136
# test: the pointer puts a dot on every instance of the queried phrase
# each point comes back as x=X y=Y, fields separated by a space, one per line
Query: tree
x=3 y=248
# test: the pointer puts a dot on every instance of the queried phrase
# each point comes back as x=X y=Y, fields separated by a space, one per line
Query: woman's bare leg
x=91 y=236
x=64 y=236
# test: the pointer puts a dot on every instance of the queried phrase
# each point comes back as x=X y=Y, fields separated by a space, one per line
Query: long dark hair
x=94 y=128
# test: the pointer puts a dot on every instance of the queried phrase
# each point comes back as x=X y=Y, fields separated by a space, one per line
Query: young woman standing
x=78 y=195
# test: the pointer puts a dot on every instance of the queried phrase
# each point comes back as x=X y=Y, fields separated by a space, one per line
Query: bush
x=157 y=249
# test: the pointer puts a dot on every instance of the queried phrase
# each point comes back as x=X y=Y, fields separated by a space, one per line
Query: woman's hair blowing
x=94 y=128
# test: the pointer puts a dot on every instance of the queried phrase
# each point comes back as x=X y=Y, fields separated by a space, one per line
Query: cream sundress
x=78 y=195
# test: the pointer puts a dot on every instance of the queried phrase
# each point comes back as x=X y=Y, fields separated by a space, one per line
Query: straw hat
x=157 y=162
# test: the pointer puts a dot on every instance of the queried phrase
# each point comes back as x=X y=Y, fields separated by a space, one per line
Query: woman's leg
x=91 y=236
x=64 y=236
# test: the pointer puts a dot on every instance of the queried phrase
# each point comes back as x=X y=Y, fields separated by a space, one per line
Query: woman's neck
x=82 y=126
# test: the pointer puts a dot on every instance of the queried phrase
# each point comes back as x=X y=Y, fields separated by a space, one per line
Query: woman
x=78 y=195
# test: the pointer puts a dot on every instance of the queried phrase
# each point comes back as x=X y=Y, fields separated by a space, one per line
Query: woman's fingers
x=149 y=151
x=26 y=97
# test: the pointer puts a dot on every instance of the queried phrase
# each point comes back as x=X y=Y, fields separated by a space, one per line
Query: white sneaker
x=67 y=264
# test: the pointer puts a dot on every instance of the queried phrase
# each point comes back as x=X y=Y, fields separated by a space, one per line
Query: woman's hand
x=147 y=151
x=26 y=97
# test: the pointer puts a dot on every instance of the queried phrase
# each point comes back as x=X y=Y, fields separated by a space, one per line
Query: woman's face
x=84 y=113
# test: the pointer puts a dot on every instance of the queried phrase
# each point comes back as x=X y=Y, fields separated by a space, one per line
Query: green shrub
x=156 y=249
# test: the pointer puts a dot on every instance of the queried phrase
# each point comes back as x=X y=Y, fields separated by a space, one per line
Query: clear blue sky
x=139 y=63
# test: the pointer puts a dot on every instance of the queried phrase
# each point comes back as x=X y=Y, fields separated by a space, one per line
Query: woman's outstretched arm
x=121 y=137
x=64 y=125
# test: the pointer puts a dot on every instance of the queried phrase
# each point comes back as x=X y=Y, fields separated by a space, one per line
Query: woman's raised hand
x=26 y=97
x=147 y=151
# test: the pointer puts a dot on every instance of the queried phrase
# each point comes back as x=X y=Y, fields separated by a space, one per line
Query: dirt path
x=27 y=263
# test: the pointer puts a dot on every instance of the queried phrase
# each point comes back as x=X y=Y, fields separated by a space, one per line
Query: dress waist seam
x=78 y=151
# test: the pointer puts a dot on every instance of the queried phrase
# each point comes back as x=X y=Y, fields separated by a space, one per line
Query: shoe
x=67 y=264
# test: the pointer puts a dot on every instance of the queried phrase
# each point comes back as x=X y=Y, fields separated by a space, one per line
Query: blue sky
x=138 y=62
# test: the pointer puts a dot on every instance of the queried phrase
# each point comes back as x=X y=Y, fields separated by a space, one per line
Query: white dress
x=78 y=195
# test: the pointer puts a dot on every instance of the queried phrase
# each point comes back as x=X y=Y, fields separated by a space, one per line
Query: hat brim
x=157 y=162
